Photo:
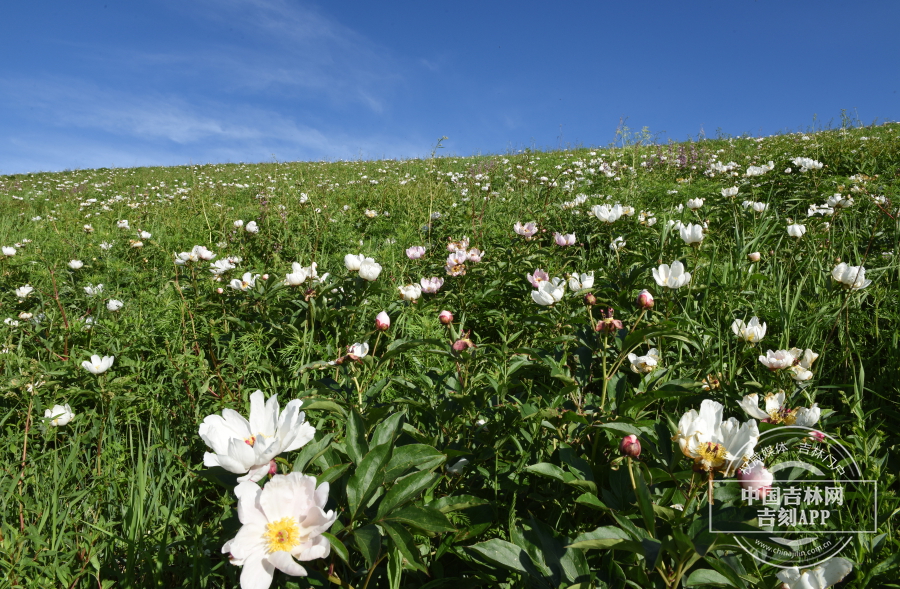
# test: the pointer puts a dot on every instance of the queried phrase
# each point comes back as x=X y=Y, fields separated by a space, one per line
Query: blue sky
x=101 y=83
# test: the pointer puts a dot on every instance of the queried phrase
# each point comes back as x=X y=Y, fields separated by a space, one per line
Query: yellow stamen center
x=712 y=455
x=282 y=535
x=250 y=441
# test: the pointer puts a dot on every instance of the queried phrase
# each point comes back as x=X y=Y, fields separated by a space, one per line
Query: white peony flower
x=694 y=203
x=852 y=277
x=617 y=244
x=730 y=192
x=549 y=292
x=410 y=292
x=123 y=224
x=777 y=360
x=98 y=365
x=822 y=576
x=59 y=415
x=691 y=233
x=297 y=276
x=91 y=290
x=674 y=277
x=76 y=264
x=251 y=227
x=581 y=281
x=282 y=522
x=8 y=251
x=23 y=291
x=431 y=285
x=246 y=446
x=359 y=350
x=714 y=444
x=246 y=282
x=796 y=230
x=646 y=363
x=114 y=305
x=606 y=213
x=369 y=269
x=750 y=332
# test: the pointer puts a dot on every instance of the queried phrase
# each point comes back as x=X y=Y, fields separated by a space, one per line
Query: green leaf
x=387 y=429
x=456 y=503
x=332 y=473
x=405 y=544
x=321 y=405
x=406 y=489
x=551 y=471
x=645 y=504
x=355 y=440
x=367 y=478
x=338 y=547
x=420 y=456
x=311 y=451
x=606 y=537
x=591 y=500
x=707 y=577
x=621 y=427
x=423 y=518
x=504 y=554
x=368 y=541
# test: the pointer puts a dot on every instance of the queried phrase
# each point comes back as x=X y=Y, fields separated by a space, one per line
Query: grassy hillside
x=509 y=417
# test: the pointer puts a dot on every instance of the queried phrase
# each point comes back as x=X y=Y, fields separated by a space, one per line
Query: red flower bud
x=630 y=446
x=446 y=317
x=645 y=300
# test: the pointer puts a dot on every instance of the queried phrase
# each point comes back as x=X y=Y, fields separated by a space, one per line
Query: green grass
x=119 y=496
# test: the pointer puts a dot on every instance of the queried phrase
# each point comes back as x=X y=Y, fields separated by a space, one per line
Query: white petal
x=258 y=572
x=286 y=564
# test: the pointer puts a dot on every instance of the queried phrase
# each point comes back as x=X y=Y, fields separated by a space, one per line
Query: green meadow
x=481 y=450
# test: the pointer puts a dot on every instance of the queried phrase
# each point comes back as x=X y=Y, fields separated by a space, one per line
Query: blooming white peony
x=98 y=365
x=646 y=363
x=246 y=446
x=714 y=444
x=431 y=285
x=777 y=412
x=777 y=360
x=796 y=230
x=549 y=292
x=410 y=292
x=23 y=291
x=298 y=275
x=282 y=523
x=369 y=270
x=852 y=277
x=76 y=264
x=674 y=277
x=246 y=282
x=114 y=305
x=59 y=415
x=606 y=213
x=580 y=281
x=691 y=233
x=750 y=332
x=822 y=576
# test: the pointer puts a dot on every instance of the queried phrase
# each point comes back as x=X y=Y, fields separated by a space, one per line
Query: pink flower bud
x=273 y=468
x=446 y=317
x=382 y=321
x=756 y=477
x=220 y=290
x=817 y=436
x=645 y=299
x=754 y=257
x=630 y=446
x=590 y=300
x=265 y=276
